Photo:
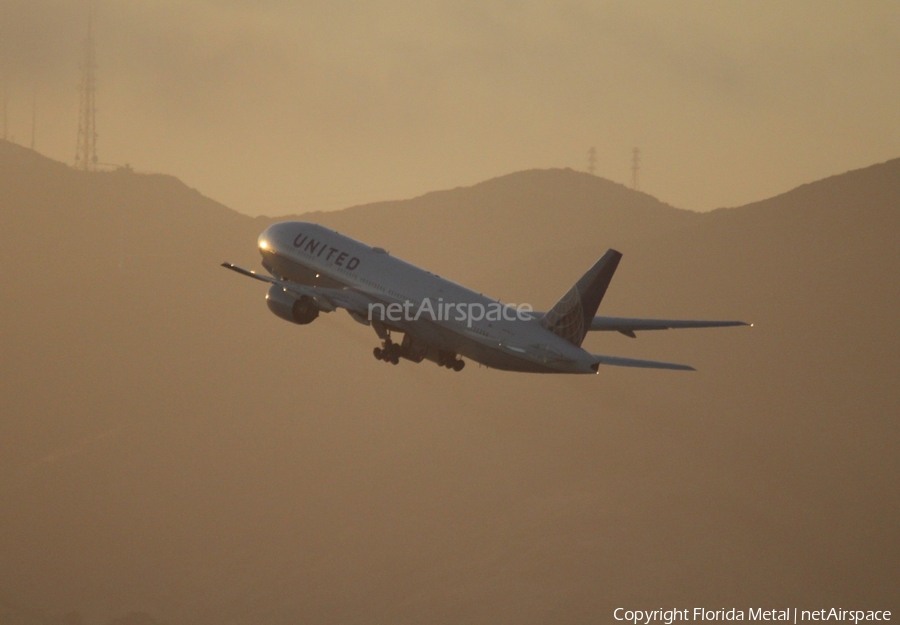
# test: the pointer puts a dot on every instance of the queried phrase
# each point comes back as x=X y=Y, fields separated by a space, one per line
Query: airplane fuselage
x=312 y=255
x=314 y=270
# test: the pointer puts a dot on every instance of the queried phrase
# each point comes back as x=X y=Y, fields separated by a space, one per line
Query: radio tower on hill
x=4 y=108
x=86 y=150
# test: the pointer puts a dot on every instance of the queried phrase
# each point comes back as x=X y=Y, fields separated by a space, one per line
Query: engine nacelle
x=289 y=308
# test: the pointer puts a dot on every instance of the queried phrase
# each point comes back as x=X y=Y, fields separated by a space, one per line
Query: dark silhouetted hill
x=168 y=446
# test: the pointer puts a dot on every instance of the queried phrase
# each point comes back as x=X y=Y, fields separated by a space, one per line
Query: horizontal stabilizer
x=629 y=326
x=617 y=361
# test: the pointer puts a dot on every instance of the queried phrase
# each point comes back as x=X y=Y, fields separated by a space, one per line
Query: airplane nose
x=268 y=240
x=280 y=236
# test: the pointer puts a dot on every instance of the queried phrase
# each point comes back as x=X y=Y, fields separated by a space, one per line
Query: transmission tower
x=4 y=105
x=635 y=167
x=33 y=116
x=86 y=150
x=592 y=160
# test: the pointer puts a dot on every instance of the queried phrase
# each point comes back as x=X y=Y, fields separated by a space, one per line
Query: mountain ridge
x=520 y=183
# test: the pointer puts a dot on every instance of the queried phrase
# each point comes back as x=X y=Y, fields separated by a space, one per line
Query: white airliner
x=314 y=269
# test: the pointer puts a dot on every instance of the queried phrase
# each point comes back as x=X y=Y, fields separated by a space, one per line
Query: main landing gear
x=392 y=352
x=451 y=362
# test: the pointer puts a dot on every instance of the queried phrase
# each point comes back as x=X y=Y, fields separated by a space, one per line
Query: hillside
x=169 y=447
x=516 y=215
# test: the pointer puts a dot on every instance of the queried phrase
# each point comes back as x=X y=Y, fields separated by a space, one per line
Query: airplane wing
x=617 y=361
x=628 y=326
x=326 y=299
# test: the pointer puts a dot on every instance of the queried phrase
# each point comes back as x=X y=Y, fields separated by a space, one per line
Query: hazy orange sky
x=278 y=106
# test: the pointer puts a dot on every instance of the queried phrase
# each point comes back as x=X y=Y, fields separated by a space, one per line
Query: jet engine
x=289 y=308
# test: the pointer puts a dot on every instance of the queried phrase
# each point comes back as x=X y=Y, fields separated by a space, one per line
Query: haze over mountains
x=170 y=447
